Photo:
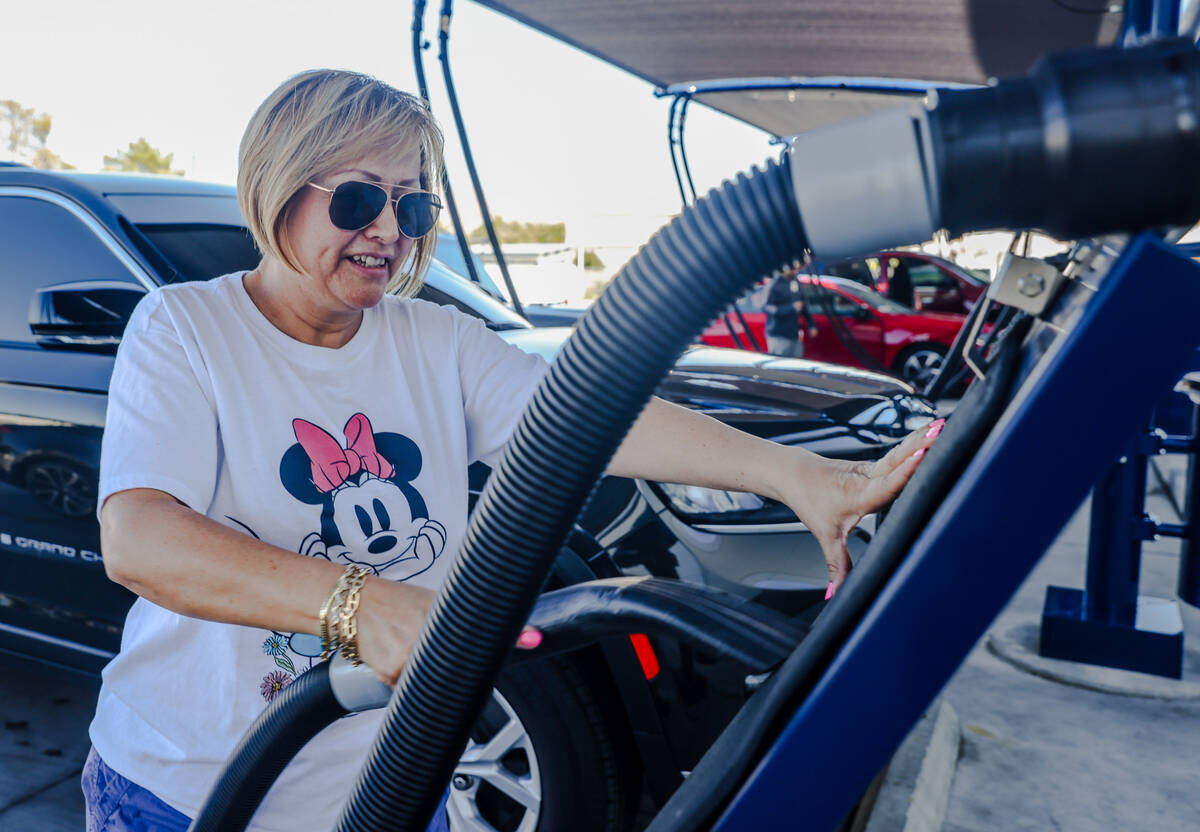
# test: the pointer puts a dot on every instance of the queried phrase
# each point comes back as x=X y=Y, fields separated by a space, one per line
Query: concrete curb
x=1019 y=647
x=916 y=787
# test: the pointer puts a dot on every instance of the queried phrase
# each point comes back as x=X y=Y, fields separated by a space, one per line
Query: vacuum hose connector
x=1090 y=142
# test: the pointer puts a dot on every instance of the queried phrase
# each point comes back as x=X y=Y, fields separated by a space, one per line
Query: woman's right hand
x=389 y=622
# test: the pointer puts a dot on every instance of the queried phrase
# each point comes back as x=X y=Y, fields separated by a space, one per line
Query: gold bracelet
x=355 y=577
x=327 y=645
x=339 y=628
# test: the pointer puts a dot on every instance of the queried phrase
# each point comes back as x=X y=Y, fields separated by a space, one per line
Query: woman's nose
x=386 y=227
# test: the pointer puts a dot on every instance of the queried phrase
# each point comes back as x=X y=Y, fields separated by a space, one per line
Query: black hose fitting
x=698 y=264
x=298 y=713
x=1091 y=142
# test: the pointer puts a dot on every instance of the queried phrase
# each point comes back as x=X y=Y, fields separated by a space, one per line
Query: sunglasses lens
x=417 y=213
x=355 y=205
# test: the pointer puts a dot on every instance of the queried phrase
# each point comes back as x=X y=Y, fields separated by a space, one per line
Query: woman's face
x=335 y=279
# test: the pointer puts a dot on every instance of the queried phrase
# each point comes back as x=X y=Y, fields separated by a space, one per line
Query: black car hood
x=766 y=394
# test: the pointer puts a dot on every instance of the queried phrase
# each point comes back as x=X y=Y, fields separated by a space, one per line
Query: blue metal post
x=1108 y=623
x=1114 y=545
x=1189 y=556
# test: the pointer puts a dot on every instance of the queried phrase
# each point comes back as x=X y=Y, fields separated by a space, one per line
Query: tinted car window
x=861 y=270
x=875 y=299
x=42 y=244
x=202 y=252
x=929 y=276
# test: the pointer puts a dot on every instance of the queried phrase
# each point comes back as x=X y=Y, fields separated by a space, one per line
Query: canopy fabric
x=959 y=41
x=783 y=112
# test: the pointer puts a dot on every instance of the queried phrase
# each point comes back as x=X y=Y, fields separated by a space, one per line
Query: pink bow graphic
x=332 y=464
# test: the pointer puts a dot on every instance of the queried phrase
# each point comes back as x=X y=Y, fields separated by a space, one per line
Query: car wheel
x=543 y=756
x=67 y=488
x=918 y=364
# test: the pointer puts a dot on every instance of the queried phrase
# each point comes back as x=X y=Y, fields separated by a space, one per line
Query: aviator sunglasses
x=354 y=205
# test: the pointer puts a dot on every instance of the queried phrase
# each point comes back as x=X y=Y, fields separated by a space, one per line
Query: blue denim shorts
x=115 y=804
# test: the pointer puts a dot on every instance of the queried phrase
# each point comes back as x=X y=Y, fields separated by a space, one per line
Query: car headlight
x=692 y=499
x=917 y=412
x=896 y=417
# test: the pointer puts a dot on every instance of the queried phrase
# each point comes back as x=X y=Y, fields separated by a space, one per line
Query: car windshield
x=450 y=253
x=444 y=286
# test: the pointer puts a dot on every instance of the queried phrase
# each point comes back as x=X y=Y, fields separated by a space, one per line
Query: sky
x=557 y=135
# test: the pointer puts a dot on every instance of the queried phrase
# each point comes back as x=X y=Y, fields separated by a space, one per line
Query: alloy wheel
x=63 y=487
x=497 y=786
x=920 y=367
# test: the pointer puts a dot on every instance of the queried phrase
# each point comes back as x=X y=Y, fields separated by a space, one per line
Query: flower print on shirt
x=273 y=683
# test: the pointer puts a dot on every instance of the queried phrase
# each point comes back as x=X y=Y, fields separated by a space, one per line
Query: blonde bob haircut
x=321 y=121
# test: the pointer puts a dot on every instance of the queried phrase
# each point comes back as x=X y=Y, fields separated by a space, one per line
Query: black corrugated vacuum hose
x=298 y=713
x=601 y=380
x=1090 y=142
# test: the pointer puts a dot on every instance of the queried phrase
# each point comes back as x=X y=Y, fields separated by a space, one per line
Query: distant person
x=785 y=307
x=900 y=286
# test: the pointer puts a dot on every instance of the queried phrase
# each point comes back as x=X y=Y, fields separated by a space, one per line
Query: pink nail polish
x=935 y=428
x=829 y=591
x=920 y=453
x=529 y=639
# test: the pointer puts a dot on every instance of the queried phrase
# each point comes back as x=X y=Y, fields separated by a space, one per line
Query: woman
x=286 y=451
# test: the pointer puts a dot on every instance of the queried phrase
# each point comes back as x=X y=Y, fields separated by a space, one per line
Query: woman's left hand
x=832 y=500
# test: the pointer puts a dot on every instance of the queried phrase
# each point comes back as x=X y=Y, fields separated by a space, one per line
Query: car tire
x=67 y=488
x=546 y=755
x=918 y=363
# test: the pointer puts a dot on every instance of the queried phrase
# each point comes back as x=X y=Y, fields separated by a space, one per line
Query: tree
x=522 y=232
x=27 y=134
x=142 y=157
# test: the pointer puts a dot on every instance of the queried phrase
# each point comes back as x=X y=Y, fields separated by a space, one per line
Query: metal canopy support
x=986 y=536
x=444 y=58
x=418 y=45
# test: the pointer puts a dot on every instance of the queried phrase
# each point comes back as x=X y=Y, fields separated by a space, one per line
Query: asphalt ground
x=1035 y=753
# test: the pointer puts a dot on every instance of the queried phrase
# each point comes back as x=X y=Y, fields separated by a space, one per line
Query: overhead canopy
x=787 y=106
x=670 y=42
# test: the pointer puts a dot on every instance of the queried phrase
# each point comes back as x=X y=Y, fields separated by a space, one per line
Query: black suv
x=77 y=252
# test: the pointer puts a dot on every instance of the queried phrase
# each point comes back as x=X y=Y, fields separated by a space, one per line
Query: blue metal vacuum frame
x=972 y=557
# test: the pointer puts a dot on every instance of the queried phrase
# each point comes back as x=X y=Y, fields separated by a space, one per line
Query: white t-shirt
x=357 y=454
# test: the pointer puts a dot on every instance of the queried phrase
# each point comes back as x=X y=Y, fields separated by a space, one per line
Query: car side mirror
x=87 y=315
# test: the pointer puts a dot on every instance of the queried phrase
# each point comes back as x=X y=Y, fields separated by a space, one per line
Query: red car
x=939 y=285
x=880 y=334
